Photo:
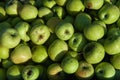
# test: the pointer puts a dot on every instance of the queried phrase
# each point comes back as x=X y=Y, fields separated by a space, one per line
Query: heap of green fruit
x=60 y=40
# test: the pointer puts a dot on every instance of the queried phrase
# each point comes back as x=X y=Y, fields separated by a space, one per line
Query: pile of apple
x=60 y=40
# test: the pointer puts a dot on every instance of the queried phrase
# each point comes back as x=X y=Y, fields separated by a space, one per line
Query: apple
x=82 y=20
x=30 y=72
x=39 y=54
x=10 y=38
x=23 y=28
x=94 y=32
x=6 y=63
x=39 y=34
x=74 y=6
x=77 y=42
x=4 y=25
x=104 y=71
x=21 y=54
x=112 y=44
x=49 y=3
x=3 y=14
x=69 y=19
x=57 y=50
x=85 y=71
x=28 y=12
x=61 y=2
x=15 y=20
x=106 y=13
x=2 y=74
x=93 y=4
x=4 y=52
x=37 y=21
x=111 y=1
x=64 y=30
x=93 y=52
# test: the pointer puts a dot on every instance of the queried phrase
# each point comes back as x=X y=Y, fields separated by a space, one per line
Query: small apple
x=39 y=54
x=4 y=52
x=6 y=63
x=93 y=4
x=61 y=2
x=74 y=6
x=93 y=52
x=49 y=3
x=104 y=71
x=37 y=21
x=64 y=30
x=106 y=13
x=69 y=19
x=21 y=54
x=15 y=20
x=30 y=72
x=57 y=50
x=2 y=74
x=82 y=20
x=39 y=34
x=77 y=42
x=69 y=64
x=85 y=71
x=23 y=28
x=10 y=38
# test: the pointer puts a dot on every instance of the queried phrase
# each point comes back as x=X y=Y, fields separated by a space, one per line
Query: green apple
x=2 y=74
x=61 y=2
x=93 y=4
x=82 y=20
x=77 y=42
x=49 y=3
x=59 y=11
x=28 y=12
x=3 y=14
x=113 y=31
x=12 y=7
x=39 y=34
x=64 y=30
x=39 y=54
x=93 y=52
x=37 y=21
x=4 y=25
x=6 y=63
x=44 y=12
x=94 y=32
x=69 y=19
x=115 y=59
x=85 y=71
x=74 y=6
x=106 y=13
x=112 y=44
x=111 y=1
x=30 y=72
x=4 y=52
x=15 y=20
x=23 y=28
x=14 y=72
x=57 y=50
x=104 y=71
x=69 y=64
x=21 y=54
x=10 y=38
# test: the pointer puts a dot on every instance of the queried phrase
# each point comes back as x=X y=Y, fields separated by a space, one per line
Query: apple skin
x=77 y=42
x=3 y=14
x=4 y=52
x=49 y=3
x=93 y=52
x=57 y=50
x=104 y=71
x=64 y=30
x=69 y=64
x=85 y=71
x=30 y=72
x=15 y=20
x=106 y=13
x=111 y=1
x=39 y=34
x=93 y=4
x=61 y=2
x=37 y=21
x=10 y=38
x=82 y=20
x=2 y=74
x=6 y=63
x=39 y=54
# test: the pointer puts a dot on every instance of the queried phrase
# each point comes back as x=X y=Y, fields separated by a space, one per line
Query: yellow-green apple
x=64 y=30
x=61 y=2
x=2 y=74
x=39 y=54
x=72 y=9
x=94 y=32
x=82 y=20
x=10 y=38
x=23 y=28
x=57 y=50
x=93 y=52
x=4 y=52
x=93 y=4
x=6 y=63
x=49 y=3
x=3 y=14
x=77 y=42
x=104 y=71
x=30 y=72
x=85 y=71
x=21 y=54
x=69 y=64
x=106 y=13
x=39 y=34
x=28 y=12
